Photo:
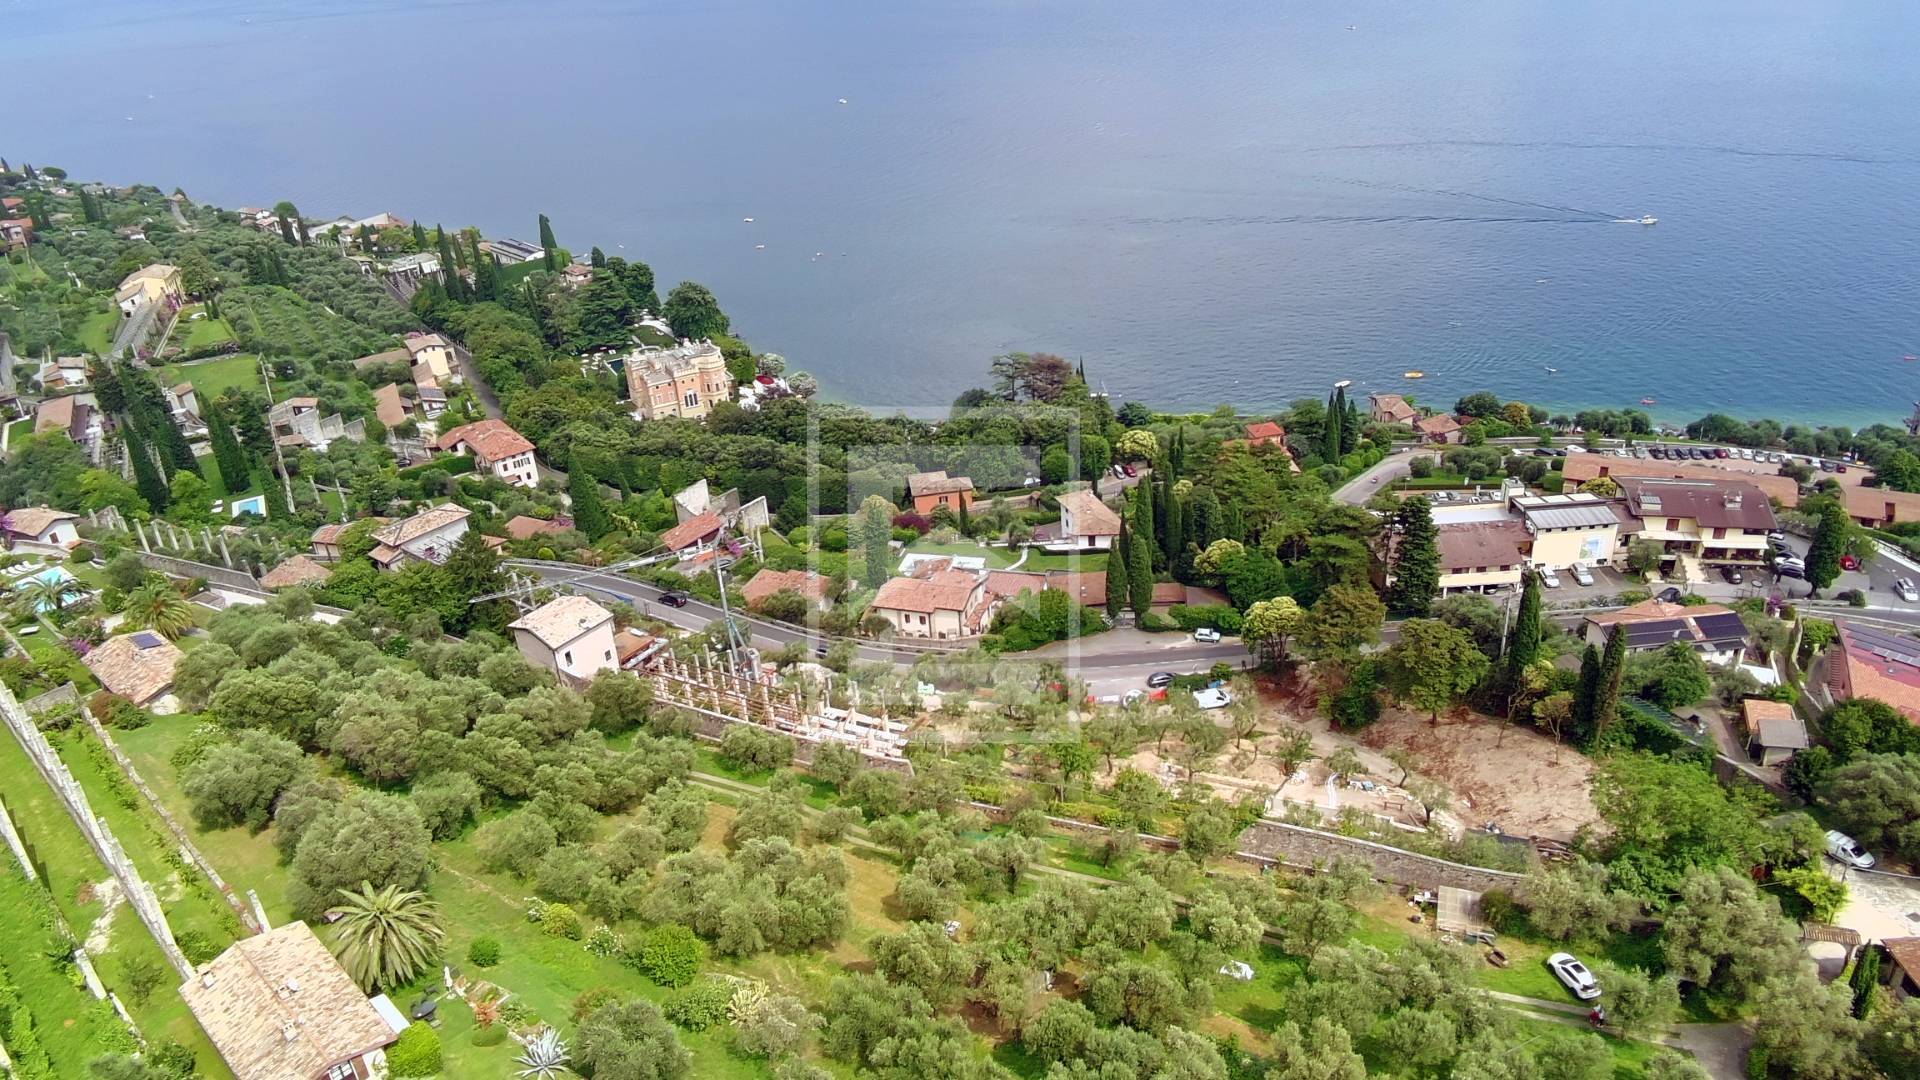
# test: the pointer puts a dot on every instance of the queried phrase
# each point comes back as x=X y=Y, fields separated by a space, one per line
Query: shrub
x=755 y=749
x=559 y=920
x=669 y=954
x=1221 y=617
x=702 y=1005
x=196 y=946
x=603 y=942
x=590 y=1001
x=483 y=952
x=1156 y=622
x=415 y=1053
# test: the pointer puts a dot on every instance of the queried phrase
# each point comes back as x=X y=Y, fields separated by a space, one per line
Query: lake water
x=1209 y=202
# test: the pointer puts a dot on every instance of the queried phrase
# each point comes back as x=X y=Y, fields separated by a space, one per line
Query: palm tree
x=384 y=937
x=545 y=1058
x=50 y=592
x=159 y=606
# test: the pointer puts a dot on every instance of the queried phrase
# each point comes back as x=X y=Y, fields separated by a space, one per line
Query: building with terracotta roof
x=278 y=1006
x=687 y=380
x=1715 y=522
x=636 y=650
x=694 y=535
x=302 y=569
x=570 y=636
x=137 y=666
x=435 y=353
x=74 y=415
x=1089 y=589
x=1579 y=468
x=1867 y=663
x=933 y=490
x=1774 y=732
x=1715 y=632
x=816 y=588
x=1390 y=409
x=389 y=407
x=40 y=525
x=1570 y=529
x=1266 y=433
x=1902 y=977
x=1086 y=524
x=391 y=356
x=428 y=536
x=522 y=527
x=15 y=233
x=1481 y=556
x=496 y=448
x=1438 y=429
x=698 y=498
x=1880 y=507
x=155 y=284
x=939 y=606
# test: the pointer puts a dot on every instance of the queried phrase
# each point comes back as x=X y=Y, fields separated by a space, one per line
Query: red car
x=1131 y=471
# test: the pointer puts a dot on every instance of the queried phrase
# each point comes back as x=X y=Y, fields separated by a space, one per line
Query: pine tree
x=235 y=473
x=1416 y=563
x=146 y=475
x=1606 y=691
x=1117 y=575
x=589 y=512
x=1140 y=569
x=1523 y=641
x=547 y=244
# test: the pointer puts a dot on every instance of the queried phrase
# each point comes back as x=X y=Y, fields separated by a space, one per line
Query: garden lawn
x=97 y=332
x=997 y=558
x=201 y=333
x=212 y=378
x=1086 y=561
x=19 y=431
x=63 y=1013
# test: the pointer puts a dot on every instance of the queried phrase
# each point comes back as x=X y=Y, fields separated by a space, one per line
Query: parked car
x=1206 y=635
x=1119 y=472
x=1581 y=574
x=1907 y=590
x=1746 y=454
x=674 y=599
x=1131 y=471
x=1031 y=481
x=1794 y=569
x=1659 y=452
x=1669 y=595
x=1159 y=679
x=1574 y=976
x=1548 y=578
x=1776 y=536
x=1132 y=697
x=1842 y=849
x=1722 y=452
x=1213 y=697
x=1732 y=574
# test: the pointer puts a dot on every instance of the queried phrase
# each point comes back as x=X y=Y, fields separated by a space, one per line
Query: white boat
x=1649 y=219
x=843 y=101
x=1644 y=219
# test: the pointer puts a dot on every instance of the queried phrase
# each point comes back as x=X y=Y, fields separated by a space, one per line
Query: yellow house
x=154 y=284
x=1569 y=529
x=940 y=606
x=1715 y=522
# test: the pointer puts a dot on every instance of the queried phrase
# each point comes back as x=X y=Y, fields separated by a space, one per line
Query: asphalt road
x=1390 y=468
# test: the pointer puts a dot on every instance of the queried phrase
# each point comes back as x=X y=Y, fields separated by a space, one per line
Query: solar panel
x=147 y=639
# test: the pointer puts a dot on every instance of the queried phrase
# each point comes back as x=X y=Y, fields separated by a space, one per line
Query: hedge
x=415 y=1053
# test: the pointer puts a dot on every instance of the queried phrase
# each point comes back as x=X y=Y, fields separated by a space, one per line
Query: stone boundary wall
x=1296 y=846
x=215 y=575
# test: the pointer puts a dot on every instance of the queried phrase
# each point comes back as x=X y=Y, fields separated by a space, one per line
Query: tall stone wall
x=1293 y=845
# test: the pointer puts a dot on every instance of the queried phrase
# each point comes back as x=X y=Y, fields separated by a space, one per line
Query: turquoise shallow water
x=1234 y=201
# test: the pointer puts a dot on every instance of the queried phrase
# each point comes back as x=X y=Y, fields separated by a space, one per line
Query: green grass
x=96 y=333
x=65 y=1021
x=997 y=558
x=1085 y=561
x=212 y=378
x=19 y=431
x=647 y=335
x=201 y=333
x=210 y=469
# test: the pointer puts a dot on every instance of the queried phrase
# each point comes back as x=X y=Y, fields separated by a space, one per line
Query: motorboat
x=1649 y=401
x=1648 y=219
x=1413 y=375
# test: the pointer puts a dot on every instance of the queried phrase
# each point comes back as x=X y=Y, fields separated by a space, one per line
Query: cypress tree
x=598 y=258
x=108 y=390
x=1606 y=692
x=1175 y=515
x=547 y=244
x=235 y=473
x=1523 y=642
x=419 y=237
x=1117 y=574
x=1584 y=693
x=1350 y=427
x=966 y=518
x=1140 y=571
x=1143 y=527
x=482 y=273
x=1416 y=564
x=146 y=475
x=1330 y=438
x=589 y=512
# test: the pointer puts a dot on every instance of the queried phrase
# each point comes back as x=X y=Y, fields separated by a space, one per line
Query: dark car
x=1789 y=570
x=1131 y=471
x=1669 y=595
x=1732 y=574
x=1659 y=452
x=1159 y=679
x=1722 y=452
x=673 y=599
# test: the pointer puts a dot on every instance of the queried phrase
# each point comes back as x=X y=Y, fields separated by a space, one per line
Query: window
x=609 y=654
x=342 y=1071
x=1673 y=524
x=693 y=398
x=567 y=656
x=1719 y=534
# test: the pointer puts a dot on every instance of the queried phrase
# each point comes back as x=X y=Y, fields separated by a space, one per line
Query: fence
x=106 y=846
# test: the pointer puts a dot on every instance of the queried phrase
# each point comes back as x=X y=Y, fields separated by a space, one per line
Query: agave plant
x=545 y=1058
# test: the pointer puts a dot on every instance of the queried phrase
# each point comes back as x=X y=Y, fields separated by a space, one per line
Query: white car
x=1207 y=635
x=1581 y=574
x=1574 y=976
x=1842 y=849
x=1907 y=590
x=1213 y=697
x=1548 y=578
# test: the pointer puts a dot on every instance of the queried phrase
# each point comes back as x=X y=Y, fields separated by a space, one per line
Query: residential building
x=635 y=649
x=1438 y=429
x=816 y=588
x=1715 y=632
x=75 y=416
x=1868 y=663
x=522 y=527
x=933 y=490
x=510 y=252
x=137 y=666
x=436 y=354
x=1390 y=409
x=1579 y=468
x=1696 y=522
x=15 y=233
x=432 y=400
x=496 y=449
x=156 y=284
x=298 y=421
x=694 y=536
x=1774 y=732
x=325 y=541
x=390 y=356
x=428 y=536
x=41 y=525
x=743 y=518
x=1570 y=529
x=1902 y=974
x=687 y=380
x=941 y=605
x=1482 y=556
x=570 y=636
x=1089 y=589
x=575 y=275
x=278 y=1006
x=1086 y=524
x=1266 y=433
x=390 y=407
x=63 y=373
x=183 y=405
x=1880 y=507
x=345 y=230
x=301 y=569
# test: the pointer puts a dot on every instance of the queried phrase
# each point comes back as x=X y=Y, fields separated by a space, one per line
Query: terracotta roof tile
x=298 y=570
x=137 y=666
x=943 y=592
x=561 y=620
x=936 y=482
x=1091 y=517
x=769 y=581
x=691 y=531
x=521 y=527
x=34 y=520
x=491 y=440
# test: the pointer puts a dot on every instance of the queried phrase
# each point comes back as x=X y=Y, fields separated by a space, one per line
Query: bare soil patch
x=1502 y=773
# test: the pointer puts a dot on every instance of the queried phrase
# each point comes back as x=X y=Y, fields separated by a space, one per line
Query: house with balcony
x=435 y=353
x=1086 y=524
x=183 y=405
x=1699 y=523
x=1390 y=409
x=945 y=605
x=42 y=526
x=1482 y=556
x=496 y=449
x=157 y=285
x=1570 y=529
x=1438 y=429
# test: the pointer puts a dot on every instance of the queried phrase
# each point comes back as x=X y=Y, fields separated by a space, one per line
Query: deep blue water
x=1208 y=202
